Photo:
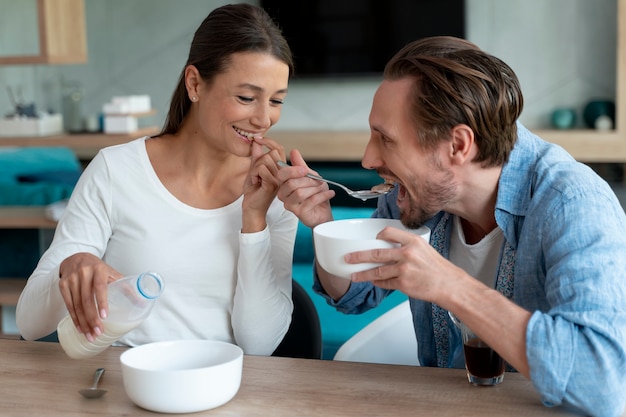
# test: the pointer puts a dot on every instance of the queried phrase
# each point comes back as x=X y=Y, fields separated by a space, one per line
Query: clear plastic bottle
x=130 y=301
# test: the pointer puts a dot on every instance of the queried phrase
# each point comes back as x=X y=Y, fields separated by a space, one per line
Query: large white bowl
x=183 y=376
x=333 y=240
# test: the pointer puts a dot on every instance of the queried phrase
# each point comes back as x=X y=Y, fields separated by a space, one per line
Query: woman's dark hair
x=226 y=30
x=457 y=83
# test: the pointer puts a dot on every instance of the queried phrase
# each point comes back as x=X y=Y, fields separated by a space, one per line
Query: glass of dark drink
x=484 y=366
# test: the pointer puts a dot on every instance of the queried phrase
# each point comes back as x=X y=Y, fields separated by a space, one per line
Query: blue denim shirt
x=569 y=234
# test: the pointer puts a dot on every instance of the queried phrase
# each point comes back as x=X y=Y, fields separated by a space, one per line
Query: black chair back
x=304 y=337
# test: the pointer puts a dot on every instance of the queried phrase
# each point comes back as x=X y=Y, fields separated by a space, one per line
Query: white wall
x=562 y=50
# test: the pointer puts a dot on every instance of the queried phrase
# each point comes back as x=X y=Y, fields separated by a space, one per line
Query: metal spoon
x=94 y=391
x=361 y=194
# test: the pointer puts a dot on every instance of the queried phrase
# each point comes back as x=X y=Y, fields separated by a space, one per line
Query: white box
x=116 y=108
x=45 y=125
x=135 y=104
x=120 y=124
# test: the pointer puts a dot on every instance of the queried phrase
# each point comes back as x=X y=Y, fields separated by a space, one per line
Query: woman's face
x=242 y=102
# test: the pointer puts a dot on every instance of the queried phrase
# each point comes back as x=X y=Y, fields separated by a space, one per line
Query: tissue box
x=29 y=126
x=120 y=124
x=128 y=104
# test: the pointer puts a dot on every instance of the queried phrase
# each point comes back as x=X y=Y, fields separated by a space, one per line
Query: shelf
x=314 y=146
x=324 y=145
x=587 y=145
x=151 y=112
x=85 y=145
x=349 y=146
x=25 y=217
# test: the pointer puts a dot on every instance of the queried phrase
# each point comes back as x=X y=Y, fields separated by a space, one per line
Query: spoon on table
x=94 y=391
x=375 y=192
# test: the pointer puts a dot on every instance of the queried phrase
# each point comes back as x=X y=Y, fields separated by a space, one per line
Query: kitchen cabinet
x=61 y=32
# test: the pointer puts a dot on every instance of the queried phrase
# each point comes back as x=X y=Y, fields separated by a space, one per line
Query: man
x=528 y=246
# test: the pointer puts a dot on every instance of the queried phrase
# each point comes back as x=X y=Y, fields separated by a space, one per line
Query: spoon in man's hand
x=94 y=391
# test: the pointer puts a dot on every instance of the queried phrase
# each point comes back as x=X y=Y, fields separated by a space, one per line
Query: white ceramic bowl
x=182 y=376
x=333 y=240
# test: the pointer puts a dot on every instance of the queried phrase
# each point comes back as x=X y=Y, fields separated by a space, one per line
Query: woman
x=196 y=203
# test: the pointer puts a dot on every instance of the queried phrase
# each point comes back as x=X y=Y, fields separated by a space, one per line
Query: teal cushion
x=33 y=194
x=37 y=176
x=15 y=162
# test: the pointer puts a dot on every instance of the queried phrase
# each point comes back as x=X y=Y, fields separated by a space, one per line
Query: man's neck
x=478 y=203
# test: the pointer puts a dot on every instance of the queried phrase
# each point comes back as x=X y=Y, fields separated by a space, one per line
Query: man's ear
x=192 y=82
x=462 y=144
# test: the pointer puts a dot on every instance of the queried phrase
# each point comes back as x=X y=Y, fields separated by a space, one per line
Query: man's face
x=425 y=183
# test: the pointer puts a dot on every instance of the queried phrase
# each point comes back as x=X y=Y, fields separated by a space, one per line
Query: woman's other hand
x=83 y=283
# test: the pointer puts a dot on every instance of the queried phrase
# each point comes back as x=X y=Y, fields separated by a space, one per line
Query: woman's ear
x=462 y=145
x=192 y=82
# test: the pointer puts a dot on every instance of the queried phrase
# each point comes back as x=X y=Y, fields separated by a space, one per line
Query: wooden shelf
x=85 y=145
x=587 y=145
x=324 y=145
x=25 y=217
x=584 y=145
x=150 y=112
x=315 y=146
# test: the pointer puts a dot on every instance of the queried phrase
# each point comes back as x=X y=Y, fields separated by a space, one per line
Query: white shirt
x=479 y=260
x=220 y=284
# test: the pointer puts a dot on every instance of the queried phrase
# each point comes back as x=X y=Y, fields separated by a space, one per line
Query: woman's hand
x=307 y=198
x=83 y=283
x=261 y=184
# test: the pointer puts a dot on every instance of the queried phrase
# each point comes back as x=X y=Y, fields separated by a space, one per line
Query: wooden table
x=37 y=379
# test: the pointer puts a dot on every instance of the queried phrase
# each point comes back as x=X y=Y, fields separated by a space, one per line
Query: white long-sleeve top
x=220 y=284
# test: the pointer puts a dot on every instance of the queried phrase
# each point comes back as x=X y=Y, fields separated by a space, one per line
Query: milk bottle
x=130 y=301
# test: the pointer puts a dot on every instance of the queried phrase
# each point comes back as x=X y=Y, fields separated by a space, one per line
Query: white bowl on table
x=182 y=376
x=334 y=239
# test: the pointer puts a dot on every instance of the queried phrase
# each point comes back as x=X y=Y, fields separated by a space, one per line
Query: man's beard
x=434 y=197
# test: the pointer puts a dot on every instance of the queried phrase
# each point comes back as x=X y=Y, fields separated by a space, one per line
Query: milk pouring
x=130 y=301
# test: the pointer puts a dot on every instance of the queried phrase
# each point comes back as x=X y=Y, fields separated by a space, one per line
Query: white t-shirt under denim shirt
x=480 y=260
x=568 y=231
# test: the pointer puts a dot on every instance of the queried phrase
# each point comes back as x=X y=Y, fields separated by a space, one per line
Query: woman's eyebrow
x=259 y=89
